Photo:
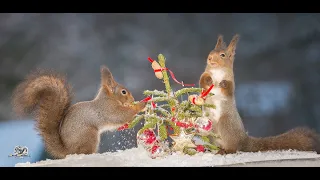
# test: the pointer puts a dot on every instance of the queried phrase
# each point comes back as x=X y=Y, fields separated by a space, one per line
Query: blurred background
x=277 y=64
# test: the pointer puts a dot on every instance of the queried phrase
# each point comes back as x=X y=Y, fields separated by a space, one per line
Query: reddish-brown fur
x=229 y=125
x=74 y=129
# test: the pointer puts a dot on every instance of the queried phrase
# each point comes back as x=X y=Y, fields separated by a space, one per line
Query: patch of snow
x=137 y=157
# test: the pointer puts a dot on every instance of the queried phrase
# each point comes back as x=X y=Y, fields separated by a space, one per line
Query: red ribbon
x=194 y=100
x=173 y=77
x=171 y=73
x=184 y=125
x=146 y=99
x=181 y=124
x=153 y=104
x=150 y=60
x=204 y=94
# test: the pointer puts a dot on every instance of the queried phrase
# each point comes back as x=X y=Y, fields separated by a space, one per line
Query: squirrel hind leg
x=89 y=143
x=226 y=151
x=221 y=152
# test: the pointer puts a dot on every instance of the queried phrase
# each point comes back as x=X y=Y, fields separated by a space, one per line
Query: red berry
x=200 y=148
x=125 y=126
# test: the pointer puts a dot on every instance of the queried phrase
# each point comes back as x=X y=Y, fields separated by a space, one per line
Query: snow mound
x=136 y=157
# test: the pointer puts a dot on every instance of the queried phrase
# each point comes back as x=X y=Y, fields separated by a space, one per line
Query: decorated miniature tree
x=174 y=118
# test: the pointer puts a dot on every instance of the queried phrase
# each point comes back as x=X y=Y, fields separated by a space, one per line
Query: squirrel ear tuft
x=106 y=77
x=220 y=43
x=233 y=44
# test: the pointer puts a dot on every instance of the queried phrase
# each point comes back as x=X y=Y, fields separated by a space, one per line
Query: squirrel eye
x=124 y=91
x=222 y=55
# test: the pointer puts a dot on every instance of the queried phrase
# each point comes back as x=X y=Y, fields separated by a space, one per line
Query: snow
x=137 y=157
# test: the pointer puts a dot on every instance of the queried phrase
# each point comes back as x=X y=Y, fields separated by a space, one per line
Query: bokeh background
x=276 y=67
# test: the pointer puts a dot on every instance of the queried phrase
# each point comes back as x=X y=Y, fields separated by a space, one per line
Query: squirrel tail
x=301 y=139
x=46 y=96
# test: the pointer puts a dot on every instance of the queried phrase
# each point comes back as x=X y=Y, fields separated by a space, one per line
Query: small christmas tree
x=183 y=121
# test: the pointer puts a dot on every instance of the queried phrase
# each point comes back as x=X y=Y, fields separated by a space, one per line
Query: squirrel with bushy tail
x=73 y=129
x=227 y=121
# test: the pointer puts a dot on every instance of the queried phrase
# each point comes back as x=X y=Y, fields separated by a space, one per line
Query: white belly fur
x=214 y=114
x=107 y=128
x=217 y=75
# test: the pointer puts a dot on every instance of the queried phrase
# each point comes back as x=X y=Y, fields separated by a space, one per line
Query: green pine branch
x=154 y=93
x=163 y=133
x=135 y=121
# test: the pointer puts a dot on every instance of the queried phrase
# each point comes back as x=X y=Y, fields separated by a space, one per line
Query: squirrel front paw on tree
x=73 y=129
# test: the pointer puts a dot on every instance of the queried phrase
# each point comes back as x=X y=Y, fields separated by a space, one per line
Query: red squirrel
x=227 y=121
x=73 y=129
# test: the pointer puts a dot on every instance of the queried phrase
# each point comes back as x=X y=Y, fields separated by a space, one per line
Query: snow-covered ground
x=138 y=157
x=15 y=133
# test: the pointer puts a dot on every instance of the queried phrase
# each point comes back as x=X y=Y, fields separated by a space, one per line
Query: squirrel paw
x=208 y=80
x=205 y=80
x=221 y=152
x=223 y=84
x=142 y=106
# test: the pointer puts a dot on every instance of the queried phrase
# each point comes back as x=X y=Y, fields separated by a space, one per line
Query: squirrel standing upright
x=226 y=119
x=74 y=129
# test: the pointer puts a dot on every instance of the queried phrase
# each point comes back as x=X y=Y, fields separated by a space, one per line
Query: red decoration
x=153 y=104
x=150 y=60
x=208 y=126
x=204 y=94
x=146 y=99
x=158 y=149
x=148 y=137
x=203 y=125
x=184 y=125
x=125 y=126
x=194 y=100
x=154 y=149
x=173 y=109
x=200 y=148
